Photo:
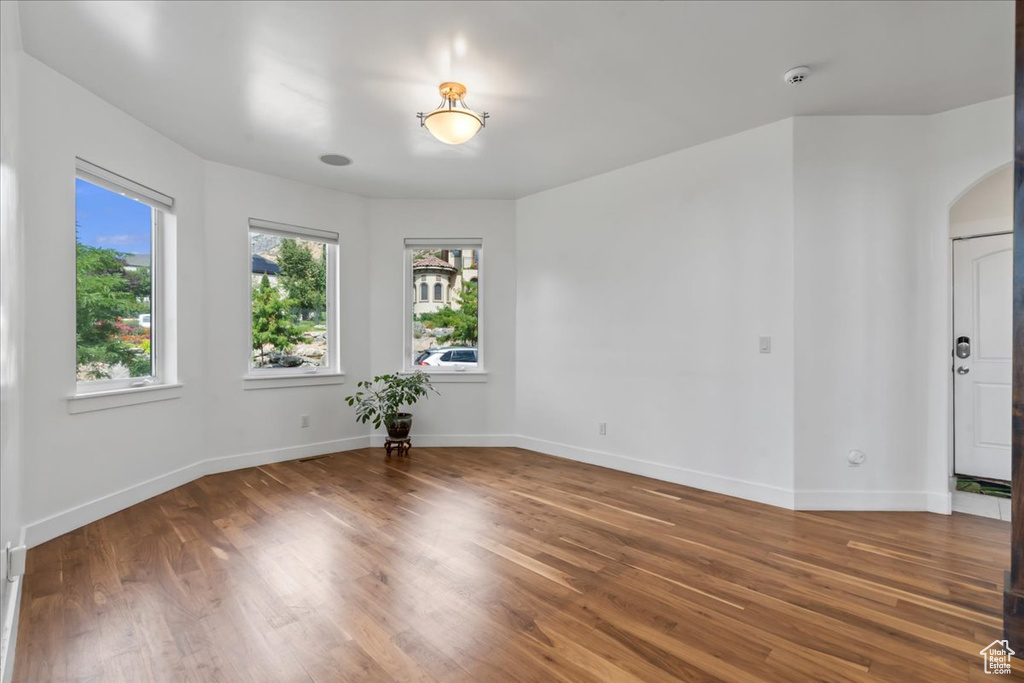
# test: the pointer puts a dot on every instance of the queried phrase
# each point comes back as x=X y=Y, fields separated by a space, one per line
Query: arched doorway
x=981 y=224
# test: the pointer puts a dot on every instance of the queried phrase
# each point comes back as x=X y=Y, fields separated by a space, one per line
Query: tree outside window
x=113 y=286
x=290 y=327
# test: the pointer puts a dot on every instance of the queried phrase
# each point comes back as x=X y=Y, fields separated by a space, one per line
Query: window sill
x=250 y=382
x=118 y=398
x=453 y=377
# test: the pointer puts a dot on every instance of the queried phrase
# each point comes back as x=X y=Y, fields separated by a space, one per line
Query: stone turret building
x=437 y=280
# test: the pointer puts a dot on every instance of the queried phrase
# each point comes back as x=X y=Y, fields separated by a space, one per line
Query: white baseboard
x=729 y=486
x=11 y=610
x=51 y=527
x=455 y=440
x=62 y=522
x=229 y=463
x=895 y=501
x=73 y=518
x=45 y=529
x=940 y=503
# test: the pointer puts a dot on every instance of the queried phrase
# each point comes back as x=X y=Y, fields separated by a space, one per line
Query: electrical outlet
x=856 y=458
x=304 y=421
x=602 y=428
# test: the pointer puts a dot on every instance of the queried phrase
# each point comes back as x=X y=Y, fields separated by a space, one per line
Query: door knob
x=962 y=370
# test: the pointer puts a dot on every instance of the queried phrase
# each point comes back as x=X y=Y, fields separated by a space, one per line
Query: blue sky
x=107 y=219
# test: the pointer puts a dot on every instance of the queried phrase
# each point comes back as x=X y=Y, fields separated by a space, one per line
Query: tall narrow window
x=449 y=321
x=293 y=280
x=119 y=325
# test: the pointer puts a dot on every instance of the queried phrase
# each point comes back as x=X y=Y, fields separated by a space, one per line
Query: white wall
x=72 y=460
x=465 y=413
x=850 y=274
x=964 y=146
x=861 y=380
x=249 y=422
x=873 y=251
x=12 y=313
x=79 y=467
x=641 y=297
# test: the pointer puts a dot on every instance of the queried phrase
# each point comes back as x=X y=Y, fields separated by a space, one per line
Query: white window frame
x=332 y=373
x=162 y=344
x=450 y=373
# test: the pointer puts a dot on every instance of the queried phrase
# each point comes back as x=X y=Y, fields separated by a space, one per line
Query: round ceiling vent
x=797 y=75
x=335 y=159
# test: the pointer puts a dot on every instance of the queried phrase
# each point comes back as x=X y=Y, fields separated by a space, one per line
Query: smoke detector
x=797 y=75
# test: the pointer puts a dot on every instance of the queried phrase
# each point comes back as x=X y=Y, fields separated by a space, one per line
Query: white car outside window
x=446 y=357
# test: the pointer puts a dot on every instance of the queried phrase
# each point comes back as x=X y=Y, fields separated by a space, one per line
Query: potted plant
x=381 y=400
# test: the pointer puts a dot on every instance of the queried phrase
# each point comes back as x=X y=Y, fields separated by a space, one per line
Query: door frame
x=952 y=323
x=949 y=329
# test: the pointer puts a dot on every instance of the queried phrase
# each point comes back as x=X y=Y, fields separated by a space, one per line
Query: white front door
x=982 y=355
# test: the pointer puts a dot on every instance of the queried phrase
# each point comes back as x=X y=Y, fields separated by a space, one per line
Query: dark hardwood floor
x=467 y=564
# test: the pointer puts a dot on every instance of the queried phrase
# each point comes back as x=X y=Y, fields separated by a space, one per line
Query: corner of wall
x=12 y=312
x=709 y=229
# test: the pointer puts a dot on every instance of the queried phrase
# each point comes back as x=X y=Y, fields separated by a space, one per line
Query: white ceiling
x=573 y=88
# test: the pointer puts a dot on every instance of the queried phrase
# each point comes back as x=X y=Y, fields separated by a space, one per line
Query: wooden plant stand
x=401 y=446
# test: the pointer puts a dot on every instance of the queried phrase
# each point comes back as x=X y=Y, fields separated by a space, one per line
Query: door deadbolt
x=963 y=347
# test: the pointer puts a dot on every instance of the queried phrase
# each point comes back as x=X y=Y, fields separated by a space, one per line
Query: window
x=293 y=281
x=122 y=341
x=443 y=332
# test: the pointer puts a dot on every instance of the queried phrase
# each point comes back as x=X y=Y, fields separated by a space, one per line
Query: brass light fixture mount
x=452 y=91
x=453 y=122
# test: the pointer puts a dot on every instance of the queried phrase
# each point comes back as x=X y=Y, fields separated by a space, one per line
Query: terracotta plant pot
x=398 y=427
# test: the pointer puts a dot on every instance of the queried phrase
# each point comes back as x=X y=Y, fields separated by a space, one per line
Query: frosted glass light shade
x=453 y=126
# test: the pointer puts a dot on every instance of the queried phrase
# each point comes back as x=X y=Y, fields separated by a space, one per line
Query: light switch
x=15 y=560
x=766 y=344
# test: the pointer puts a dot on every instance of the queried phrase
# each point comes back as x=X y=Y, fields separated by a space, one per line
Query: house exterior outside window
x=452 y=316
x=429 y=270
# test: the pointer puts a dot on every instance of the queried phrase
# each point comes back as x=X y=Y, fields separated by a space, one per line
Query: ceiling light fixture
x=453 y=122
